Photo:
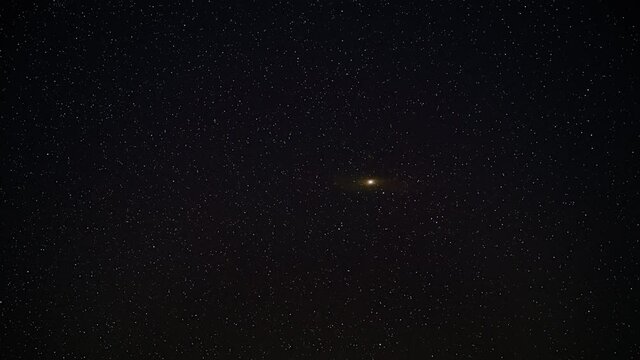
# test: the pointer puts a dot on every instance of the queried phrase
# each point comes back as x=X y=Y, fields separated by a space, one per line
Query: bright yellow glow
x=370 y=182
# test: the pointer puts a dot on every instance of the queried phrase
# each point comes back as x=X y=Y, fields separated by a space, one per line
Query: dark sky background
x=183 y=181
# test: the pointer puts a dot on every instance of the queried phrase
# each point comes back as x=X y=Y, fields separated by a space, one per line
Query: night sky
x=320 y=180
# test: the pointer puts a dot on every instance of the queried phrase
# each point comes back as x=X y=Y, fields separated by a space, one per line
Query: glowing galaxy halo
x=367 y=183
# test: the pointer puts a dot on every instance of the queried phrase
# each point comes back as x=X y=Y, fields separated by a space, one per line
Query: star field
x=319 y=180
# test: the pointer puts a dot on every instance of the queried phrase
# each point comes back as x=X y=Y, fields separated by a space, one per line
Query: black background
x=179 y=181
